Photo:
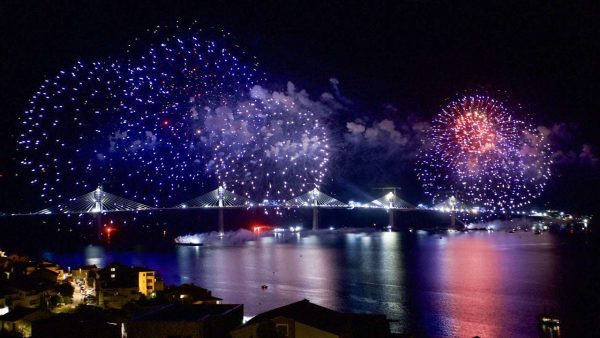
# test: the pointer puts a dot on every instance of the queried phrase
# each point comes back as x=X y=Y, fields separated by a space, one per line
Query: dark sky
x=412 y=54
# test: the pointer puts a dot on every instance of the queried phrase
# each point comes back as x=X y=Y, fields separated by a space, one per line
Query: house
x=53 y=267
x=47 y=275
x=15 y=266
x=19 y=320
x=187 y=320
x=117 y=297
x=190 y=293
x=146 y=280
x=28 y=292
x=89 y=322
x=119 y=284
x=304 y=319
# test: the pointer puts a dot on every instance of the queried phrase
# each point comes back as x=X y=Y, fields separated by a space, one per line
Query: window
x=112 y=275
x=282 y=330
x=112 y=269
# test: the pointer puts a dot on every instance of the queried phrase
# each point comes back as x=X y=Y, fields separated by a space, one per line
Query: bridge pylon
x=95 y=202
x=221 y=215
x=219 y=199
x=453 y=206
x=391 y=202
x=316 y=200
x=315 y=220
x=98 y=196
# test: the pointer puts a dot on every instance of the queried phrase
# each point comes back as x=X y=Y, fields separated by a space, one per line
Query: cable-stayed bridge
x=99 y=202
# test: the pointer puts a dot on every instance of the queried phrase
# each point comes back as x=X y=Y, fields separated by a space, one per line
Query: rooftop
x=187 y=312
x=19 y=313
x=316 y=316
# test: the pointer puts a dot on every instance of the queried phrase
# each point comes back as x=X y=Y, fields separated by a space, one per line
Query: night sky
x=411 y=56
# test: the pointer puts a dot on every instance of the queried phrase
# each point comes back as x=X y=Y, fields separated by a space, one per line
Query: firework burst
x=481 y=152
x=174 y=85
x=273 y=146
x=180 y=115
x=137 y=127
x=64 y=143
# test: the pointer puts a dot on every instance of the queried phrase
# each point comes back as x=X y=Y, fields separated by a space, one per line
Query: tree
x=65 y=290
x=53 y=301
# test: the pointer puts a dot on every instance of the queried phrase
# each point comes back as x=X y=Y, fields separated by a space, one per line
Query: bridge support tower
x=98 y=209
x=315 y=220
x=221 y=215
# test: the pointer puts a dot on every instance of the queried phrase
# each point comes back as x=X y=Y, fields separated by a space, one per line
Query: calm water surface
x=449 y=285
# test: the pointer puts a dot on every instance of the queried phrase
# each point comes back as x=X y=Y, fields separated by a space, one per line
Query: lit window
x=112 y=269
x=112 y=275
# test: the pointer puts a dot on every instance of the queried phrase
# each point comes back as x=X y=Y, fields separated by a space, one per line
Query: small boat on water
x=549 y=325
x=189 y=244
x=264 y=286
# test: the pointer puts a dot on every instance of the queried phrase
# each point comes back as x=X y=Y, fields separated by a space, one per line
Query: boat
x=189 y=244
x=548 y=320
x=264 y=286
x=549 y=325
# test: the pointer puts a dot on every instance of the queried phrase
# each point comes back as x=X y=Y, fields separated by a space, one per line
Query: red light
x=166 y=122
x=258 y=228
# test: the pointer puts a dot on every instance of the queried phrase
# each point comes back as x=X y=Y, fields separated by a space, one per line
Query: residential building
x=192 y=294
x=27 y=292
x=304 y=319
x=118 y=275
x=88 y=322
x=19 y=320
x=187 y=320
x=117 y=297
x=146 y=281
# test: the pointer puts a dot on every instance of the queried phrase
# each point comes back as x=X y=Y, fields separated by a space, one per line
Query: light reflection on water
x=492 y=285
